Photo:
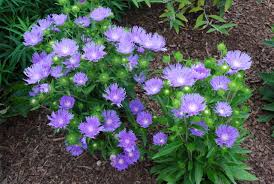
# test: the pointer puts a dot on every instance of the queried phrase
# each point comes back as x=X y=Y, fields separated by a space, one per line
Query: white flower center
x=193 y=107
x=236 y=63
x=65 y=50
x=145 y=121
x=180 y=80
x=115 y=97
x=127 y=141
x=67 y=103
x=61 y=121
x=109 y=121
x=90 y=129
x=224 y=137
x=121 y=161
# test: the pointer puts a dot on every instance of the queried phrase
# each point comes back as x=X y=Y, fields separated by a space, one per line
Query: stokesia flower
x=136 y=106
x=44 y=88
x=179 y=113
x=112 y=120
x=133 y=61
x=144 y=119
x=153 y=86
x=82 y=21
x=67 y=102
x=200 y=72
x=38 y=57
x=220 y=83
x=125 y=46
x=178 y=75
x=93 y=52
x=74 y=150
x=237 y=60
x=115 y=33
x=136 y=34
x=35 y=73
x=115 y=94
x=65 y=47
x=83 y=141
x=60 y=119
x=127 y=140
x=223 y=109
x=60 y=19
x=56 y=71
x=140 y=79
x=119 y=162
x=44 y=24
x=80 y=79
x=153 y=42
x=192 y=104
x=33 y=37
x=198 y=129
x=132 y=156
x=73 y=61
x=159 y=139
x=91 y=127
x=100 y=13
x=226 y=135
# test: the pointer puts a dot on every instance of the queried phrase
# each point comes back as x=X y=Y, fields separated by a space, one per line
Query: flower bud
x=75 y=9
x=72 y=138
x=124 y=60
x=207 y=112
x=143 y=63
x=166 y=91
x=104 y=77
x=210 y=63
x=122 y=74
x=187 y=89
x=34 y=102
x=224 y=68
x=56 y=59
x=222 y=48
x=63 y=2
x=176 y=103
x=221 y=92
x=233 y=86
x=64 y=81
x=80 y=105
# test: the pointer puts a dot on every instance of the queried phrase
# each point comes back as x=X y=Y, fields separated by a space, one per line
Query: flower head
x=80 y=79
x=82 y=21
x=60 y=19
x=153 y=42
x=115 y=33
x=198 y=129
x=119 y=162
x=137 y=33
x=133 y=61
x=132 y=156
x=112 y=120
x=44 y=24
x=220 y=83
x=73 y=61
x=192 y=104
x=223 y=109
x=33 y=37
x=93 y=52
x=125 y=45
x=100 y=13
x=65 y=47
x=60 y=119
x=153 y=86
x=179 y=76
x=115 y=94
x=44 y=88
x=159 y=139
x=136 y=106
x=67 y=102
x=74 y=150
x=56 y=71
x=83 y=141
x=127 y=140
x=226 y=135
x=238 y=60
x=35 y=73
x=140 y=78
x=200 y=72
x=91 y=127
x=144 y=119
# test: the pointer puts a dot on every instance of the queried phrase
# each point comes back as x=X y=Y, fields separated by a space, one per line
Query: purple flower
x=153 y=86
x=112 y=120
x=127 y=140
x=80 y=79
x=153 y=42
x=56 y=71
x=192 y=104
x=65 y=47
x=44 y=88
x=73 y=61
x=38 y=57
x=83 y=141
x=199 y=129
x=226 y=135
x=137 y=33
x=136 y=106
x=238 y=60
x=67 y=102
x=159 y=139
x=119 y=162
x=133 y=61
x=125 y=46
x=115 y=94
x=132 y=156
x=91 y=128
x=60 y=19
x=220 y=83
x=82 y=21
x=74 y=150
x=144 y=119
x=100 y=13
x=93 y=52
x=115 y=33
x=179 y=113
x=140 y=78
x=35 y=73
x=140 y=50
x=34 y=91
x=178 y=75
x=44 y=24
x=33 y=37
x=60 y=119
x=200 y=71
x=223 y=109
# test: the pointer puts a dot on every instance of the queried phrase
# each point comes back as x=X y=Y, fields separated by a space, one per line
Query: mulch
x=30 y=152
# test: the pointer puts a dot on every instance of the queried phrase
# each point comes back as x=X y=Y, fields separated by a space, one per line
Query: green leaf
x=198 y=173
x=195 y=9
x=182 y=17
x=269 y=107
x=228 y=4
x=200 y=21
x=167 y=149
x=265 y=118
x=218 y=18
x=241 y=174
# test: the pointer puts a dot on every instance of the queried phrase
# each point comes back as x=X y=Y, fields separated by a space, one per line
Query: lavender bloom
x=83 y=141
x=140 y=79
x=153 y=42
x=43 y=59
x=200 y=72
x=193 y=104
x=34 y=91
x=82 y=1
x=80 y=79
x=220 y=83
x=60 y=19
x=38 y=57
x=112 y=120
x=66 y=47
x=133 y=61
x=67 y=102
x=115 y=94
x=91 y=128
x=153 y=86
x=60 y=119
x=159 y=139
x=238 y=60
x=93 y=52
x=140 y=50
x=125 y=46
x=137 y=33
x=100 y=13
x=35 y=73
x=132 y=156
x=226 y=136
x=179 y=113
x=119 y=162
x=44 y=24
x=74 y=150
x=127 y=140
x=223 y=109
x=56 y=72
x=203 y=128
x=115 y=33
x=33 y=37
x=144 y=119
x=82 y=21
x=44 y=88
x=136 y=106
x=178 y=75
x=73 y=61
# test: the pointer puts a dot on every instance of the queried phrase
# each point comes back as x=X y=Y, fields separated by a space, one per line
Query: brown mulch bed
x=31 y=153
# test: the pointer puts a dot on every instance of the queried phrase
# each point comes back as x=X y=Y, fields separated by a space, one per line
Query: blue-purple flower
x=159 y=139
x=115 y=33
x=153 y=42
x=125 y=45
x=132 y=156
x=237 y=60
x=80 y=79
x=33 y=37
x=93 y=52
x=119 y=162
x=198 y=128
x=115 y=94
x=60 y=19
x=83 y=141
x=112 y=120
x=153 y=86
x=192 y=104
x=41 y=88
x=140 y=78
x=91 y=127
x=35 y=73
x=65 y=47
x=74 y=150
x=60 y=119
x=39 y=57
x=127 y=140
x=67 y=102
x=136 y=106
x=223 y=109
x=144 y=119
x=220 y=83
x=56 y=71
x=82 y=21
x=100 y=13
x=44 y=24
x=200 y=72
x=137 y=33
x=226 y=136
x=73 y=61
x=133 y=61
